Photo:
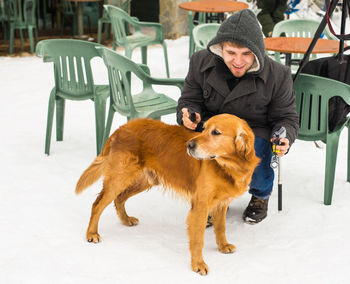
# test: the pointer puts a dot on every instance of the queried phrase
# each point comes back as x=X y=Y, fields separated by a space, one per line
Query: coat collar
x=218 y=82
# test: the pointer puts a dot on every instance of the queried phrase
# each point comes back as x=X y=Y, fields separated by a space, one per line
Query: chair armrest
x=158 y=28
x=40 y=52
x=177 y=82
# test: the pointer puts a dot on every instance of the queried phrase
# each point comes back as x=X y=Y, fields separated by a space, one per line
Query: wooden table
x=80 y=18
x=289 y=45
x=213 y=6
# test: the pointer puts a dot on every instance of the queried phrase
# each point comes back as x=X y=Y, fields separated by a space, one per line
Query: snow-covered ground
x=43 y=222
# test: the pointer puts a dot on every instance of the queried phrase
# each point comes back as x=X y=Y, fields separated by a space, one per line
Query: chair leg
x=5 y=30
x=21 y=37
x=75 y=25
x=12 y=39
x=60 y=107
x=331 y=160
x=30 y=35
x=89 y=25
x=143 y=54
x=107 y=31
x=100 y=118
x=115 y=46
x=36 y=35
x=107 y=129
x=166 y=59
x=50 y=113
x=99 y=30
x=62 y=26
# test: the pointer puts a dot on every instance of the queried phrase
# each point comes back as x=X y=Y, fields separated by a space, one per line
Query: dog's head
x=224 y=135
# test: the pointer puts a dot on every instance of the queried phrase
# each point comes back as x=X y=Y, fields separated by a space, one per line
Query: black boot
x=256 y=210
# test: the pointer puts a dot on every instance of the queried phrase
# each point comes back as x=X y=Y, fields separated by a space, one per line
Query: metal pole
x=279 y=185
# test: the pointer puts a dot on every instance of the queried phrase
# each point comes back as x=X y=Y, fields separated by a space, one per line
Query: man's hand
x=187 y=121
x=282 y=149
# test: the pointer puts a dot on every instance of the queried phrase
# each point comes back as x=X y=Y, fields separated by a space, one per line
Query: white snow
x=43 y=222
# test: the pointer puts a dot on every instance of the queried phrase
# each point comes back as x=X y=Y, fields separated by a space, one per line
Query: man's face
x=237 y=59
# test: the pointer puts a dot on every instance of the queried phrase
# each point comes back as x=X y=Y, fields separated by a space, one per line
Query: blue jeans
x=262 y=179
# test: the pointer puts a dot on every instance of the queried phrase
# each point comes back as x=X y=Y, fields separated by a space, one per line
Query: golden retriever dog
x=209 y=169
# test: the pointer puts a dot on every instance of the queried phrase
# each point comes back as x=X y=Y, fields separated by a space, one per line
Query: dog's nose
x=191 y=145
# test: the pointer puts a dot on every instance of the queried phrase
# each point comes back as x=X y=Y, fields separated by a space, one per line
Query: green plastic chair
x=203 y=33
x=298 y=28
x=105 y=20
x=120 y=18
x=73 y=81
x=312 y=95
x=203 y=18
x=148 y=103
x=20 y=18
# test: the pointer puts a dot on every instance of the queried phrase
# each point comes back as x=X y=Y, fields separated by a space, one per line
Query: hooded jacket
x=263 y=96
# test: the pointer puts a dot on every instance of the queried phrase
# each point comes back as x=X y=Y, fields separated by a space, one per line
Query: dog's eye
x=215 y=132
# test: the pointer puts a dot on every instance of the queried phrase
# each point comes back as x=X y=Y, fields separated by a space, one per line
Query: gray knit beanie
x=242 y=28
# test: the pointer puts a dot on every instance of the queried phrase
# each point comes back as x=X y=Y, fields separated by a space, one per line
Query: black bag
x=329 y=67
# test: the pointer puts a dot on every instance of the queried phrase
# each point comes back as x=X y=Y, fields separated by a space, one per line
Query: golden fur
x=209 y=168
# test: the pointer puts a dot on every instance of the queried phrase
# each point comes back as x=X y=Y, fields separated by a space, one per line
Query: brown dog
x=210 y=169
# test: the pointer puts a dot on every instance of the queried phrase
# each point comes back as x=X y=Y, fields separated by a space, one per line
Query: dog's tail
x=94 y=172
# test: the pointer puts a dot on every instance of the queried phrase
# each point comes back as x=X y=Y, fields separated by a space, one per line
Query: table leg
x=80 y=19
x=288 y=59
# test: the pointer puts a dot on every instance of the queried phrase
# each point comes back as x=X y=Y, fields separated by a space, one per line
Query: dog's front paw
x=93 y=237
x=226 y=248
x=130 y=221
x=200 y=267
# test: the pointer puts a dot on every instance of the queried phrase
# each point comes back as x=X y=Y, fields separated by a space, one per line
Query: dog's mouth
x=200 y=157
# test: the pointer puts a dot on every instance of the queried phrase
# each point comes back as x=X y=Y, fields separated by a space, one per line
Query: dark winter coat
x=265 y=100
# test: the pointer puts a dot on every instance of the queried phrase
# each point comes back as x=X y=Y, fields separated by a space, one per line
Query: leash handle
x=276 y=161
x=193 y=116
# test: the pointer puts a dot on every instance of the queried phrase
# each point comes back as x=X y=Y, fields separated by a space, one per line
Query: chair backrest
x=21 y=13
x=299 y=28
x=119 y=20
x=13 y=10
x=72 y=65
x=29 y=12
x=120 y=69
x=203 y=33
x=122 y=4
x=67 y=8
x=2 y=11
x=312 y=94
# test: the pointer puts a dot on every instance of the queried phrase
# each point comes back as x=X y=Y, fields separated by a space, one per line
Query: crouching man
x=234 y=75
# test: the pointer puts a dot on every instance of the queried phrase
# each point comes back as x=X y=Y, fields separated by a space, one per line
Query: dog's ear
x=245 y=144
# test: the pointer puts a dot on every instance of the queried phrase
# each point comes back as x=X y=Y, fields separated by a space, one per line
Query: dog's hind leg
x=219 y=220
x=139 y=186
x=104 y=198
